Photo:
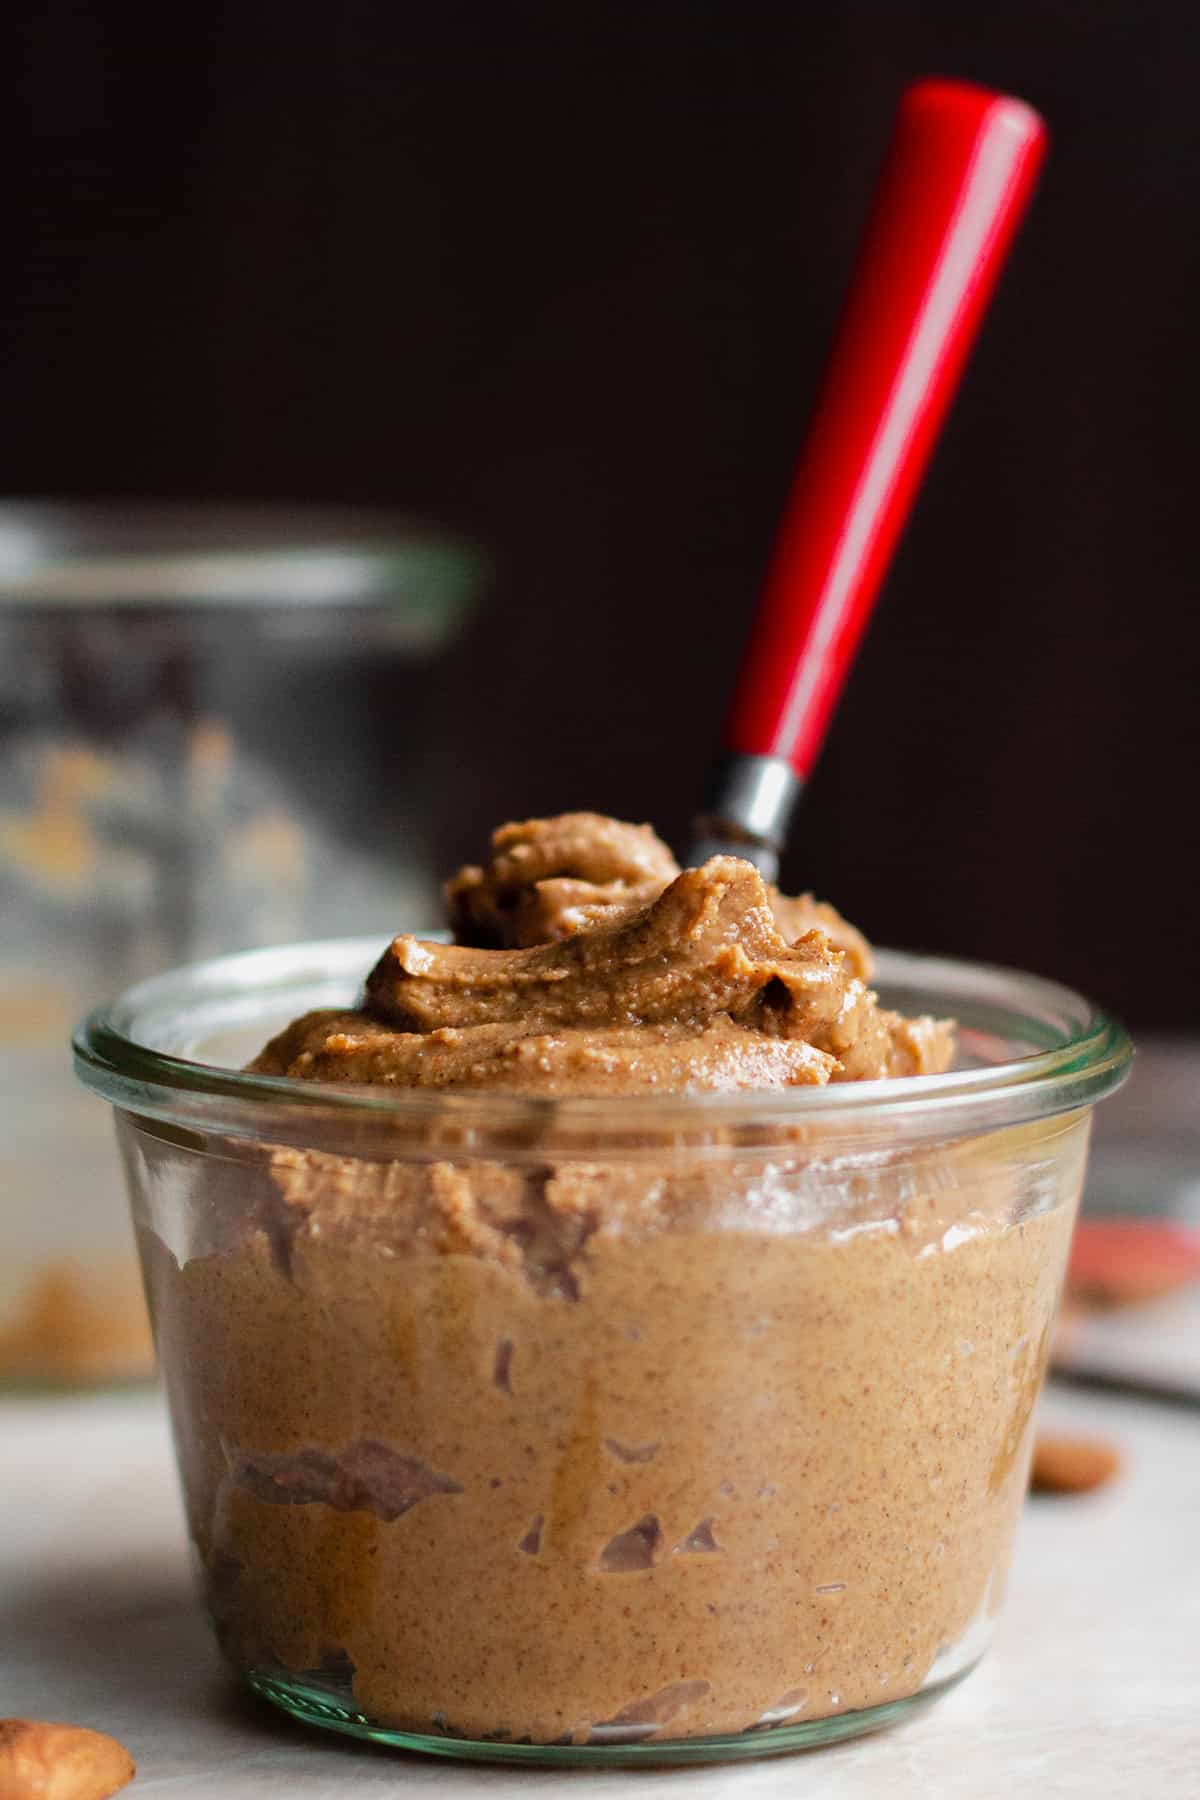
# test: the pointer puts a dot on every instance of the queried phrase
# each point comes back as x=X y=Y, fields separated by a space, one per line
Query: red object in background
x=1119 y=1261
x=960 y=169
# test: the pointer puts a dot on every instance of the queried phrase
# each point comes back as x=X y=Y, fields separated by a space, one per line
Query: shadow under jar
x=565 y=1431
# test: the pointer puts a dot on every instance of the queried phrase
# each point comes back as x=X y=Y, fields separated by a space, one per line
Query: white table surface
x=1092 y=1687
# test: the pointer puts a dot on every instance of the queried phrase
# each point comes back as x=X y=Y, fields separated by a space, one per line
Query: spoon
x=958 y=174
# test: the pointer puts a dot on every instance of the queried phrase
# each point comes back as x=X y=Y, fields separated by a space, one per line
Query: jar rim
x=1076 y=1054
x=75 y=557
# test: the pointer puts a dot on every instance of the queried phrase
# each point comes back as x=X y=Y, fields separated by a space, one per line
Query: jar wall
x=579 y=1453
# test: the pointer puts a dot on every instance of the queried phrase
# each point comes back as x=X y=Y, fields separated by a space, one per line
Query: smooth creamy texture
x=649 y=980
x=592 y=1445
x=548 y=878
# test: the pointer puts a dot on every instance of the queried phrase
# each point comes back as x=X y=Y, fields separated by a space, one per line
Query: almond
x=39 y=1761
x=1072 y=1465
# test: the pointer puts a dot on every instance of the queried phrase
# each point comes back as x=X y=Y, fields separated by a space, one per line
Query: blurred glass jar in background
x=219 y=728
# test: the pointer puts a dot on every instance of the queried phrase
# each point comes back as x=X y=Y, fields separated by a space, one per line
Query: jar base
x=313 y=1707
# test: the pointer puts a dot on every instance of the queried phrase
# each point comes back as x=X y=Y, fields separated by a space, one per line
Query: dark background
x=564 y=275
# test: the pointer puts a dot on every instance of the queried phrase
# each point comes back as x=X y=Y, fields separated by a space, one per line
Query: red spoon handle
x=958 y=174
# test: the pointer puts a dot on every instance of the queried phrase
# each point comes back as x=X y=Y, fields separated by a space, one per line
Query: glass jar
x=571 y=1431
x=205 y=713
